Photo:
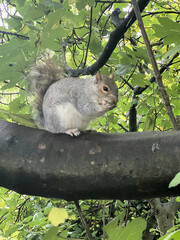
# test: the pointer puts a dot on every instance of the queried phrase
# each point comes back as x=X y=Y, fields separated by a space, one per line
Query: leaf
x=51 y=234
x=11 y=230
x=139 y=79
x=2 y=204
x=133 y=231
x=172 y=51
x=122 y=69
x=24 y=119
x=57 y=216
x=175 y=181
x=168 y=29
x=14 y=23
x=171 y=236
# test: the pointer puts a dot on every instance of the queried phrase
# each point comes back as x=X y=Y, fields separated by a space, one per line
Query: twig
x=15 y=34
x=139 y=90
x=125 y=129
x=104 y=220
x=129 y=85
x=159 y=12
x=100 y=1
x=90 y=31
x=155 y=68
x=4 y=103
x=9 y=93
x=83 y=220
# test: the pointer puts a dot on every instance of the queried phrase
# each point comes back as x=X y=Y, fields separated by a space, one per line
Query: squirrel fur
x=66 y=104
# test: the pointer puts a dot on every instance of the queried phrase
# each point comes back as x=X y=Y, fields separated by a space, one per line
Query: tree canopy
x=85 y=39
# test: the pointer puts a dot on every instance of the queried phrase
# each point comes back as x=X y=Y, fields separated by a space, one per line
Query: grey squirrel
x=66 y=104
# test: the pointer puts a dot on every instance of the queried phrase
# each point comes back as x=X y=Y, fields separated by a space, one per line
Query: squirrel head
x=107 y=94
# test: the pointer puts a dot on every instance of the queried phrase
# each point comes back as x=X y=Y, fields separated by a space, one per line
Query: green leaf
x=11 y=230
x=172 y=52
x=171 y=236
x=14 y=23
x=168 y=29
x=24 y=119
x=133 y=231
x=167 y=23
x=139 y=79
x=51 y=234
x=122 y=69
x=178 y=199
x=175 y=181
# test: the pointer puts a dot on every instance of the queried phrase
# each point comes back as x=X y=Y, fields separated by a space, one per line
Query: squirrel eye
x=105 y=88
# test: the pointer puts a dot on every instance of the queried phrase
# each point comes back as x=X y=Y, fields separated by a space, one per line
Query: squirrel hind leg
x=73 y=132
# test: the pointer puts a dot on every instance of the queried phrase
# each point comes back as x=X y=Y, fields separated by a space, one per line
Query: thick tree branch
x=92 y=166
x=164 y=213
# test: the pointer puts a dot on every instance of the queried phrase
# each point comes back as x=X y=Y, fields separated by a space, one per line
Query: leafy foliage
x=175 y=181
x=27 y=29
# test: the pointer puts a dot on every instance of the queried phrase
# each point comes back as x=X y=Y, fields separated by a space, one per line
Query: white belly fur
x=70 y=117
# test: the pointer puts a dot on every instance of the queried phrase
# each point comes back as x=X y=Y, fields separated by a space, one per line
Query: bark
x=151 y=223
x=92 y=166
x=164 y=213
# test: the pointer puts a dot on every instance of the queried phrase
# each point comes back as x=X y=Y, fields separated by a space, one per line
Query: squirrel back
x=66 y=104
x=42 y=74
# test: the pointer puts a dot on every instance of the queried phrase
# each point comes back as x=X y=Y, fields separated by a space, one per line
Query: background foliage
x=27 y=29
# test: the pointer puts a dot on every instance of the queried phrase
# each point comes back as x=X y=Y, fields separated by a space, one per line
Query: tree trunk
x=92 y=166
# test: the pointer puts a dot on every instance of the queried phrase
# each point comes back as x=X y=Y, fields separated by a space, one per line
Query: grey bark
x=164 y=213
x=92 y=166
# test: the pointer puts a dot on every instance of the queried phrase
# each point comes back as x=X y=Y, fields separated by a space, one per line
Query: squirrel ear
x=111 y=76
x=98 y=77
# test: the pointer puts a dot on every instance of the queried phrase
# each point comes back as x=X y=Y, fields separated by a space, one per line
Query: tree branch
x=83 y=220
x=155 y=67
x=15 y=34
x=138 y=90
x=115 y=37
x=92 y=166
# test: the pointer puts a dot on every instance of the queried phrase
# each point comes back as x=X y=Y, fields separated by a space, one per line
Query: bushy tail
x=44 y=73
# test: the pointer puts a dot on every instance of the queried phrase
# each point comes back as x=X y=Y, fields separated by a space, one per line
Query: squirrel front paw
x=106 y=106
x=73 y=132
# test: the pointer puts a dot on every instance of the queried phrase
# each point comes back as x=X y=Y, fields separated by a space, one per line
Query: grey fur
x=61 y=104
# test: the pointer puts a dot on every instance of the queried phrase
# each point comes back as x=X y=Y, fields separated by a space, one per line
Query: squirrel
x=66 y=104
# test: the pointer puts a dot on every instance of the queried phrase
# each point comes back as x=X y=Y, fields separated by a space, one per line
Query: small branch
x=100 y=1
x=4 y=103
x=9 y=93
x=129 y=85
x=125 y=129
x=104 y=220
x=139 y=90
x=155 y=68
x=20 y=208
x=14 y=34
x=83 y=220
x=160 y=12
x=151 y=223
x=133 y=118
x=90 y=31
